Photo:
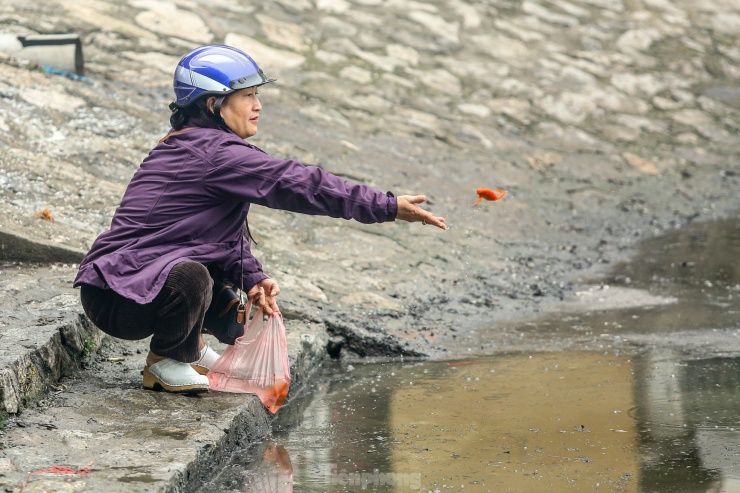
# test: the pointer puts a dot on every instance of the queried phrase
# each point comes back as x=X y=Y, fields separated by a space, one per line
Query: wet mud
x=680 y=291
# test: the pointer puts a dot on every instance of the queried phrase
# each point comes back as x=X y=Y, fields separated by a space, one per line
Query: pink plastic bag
x=257 y=363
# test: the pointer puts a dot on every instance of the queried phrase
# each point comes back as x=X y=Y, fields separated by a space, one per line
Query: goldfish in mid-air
x=488 y=194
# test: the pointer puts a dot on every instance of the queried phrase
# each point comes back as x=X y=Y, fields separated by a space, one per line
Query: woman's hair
x=197 y=110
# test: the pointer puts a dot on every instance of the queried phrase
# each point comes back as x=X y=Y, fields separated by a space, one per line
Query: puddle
x=631 y=398
x=697 y=267
x=689 y=422
x=681 y=290
x=174 y=433
x=522 y=422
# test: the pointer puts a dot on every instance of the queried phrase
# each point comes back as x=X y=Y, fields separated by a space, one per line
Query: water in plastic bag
x=257 y=363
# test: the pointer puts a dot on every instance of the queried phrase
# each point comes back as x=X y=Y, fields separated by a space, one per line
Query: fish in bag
x=257 y=362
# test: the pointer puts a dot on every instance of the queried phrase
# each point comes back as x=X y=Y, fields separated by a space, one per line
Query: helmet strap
x=217 y=107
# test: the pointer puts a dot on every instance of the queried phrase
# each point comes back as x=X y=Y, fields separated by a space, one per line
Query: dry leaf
x=541 y=160
x=640 y=163
x=45 y=214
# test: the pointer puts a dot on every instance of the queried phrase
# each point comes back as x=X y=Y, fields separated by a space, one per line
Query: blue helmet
x=215 y=70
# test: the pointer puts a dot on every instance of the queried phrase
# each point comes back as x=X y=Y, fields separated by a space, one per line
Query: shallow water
x=643 y=399
x=563 y=421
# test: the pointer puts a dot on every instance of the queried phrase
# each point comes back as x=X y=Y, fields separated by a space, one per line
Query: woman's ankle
x=152 y=358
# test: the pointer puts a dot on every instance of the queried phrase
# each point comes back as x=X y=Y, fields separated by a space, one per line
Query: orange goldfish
x=488 y=194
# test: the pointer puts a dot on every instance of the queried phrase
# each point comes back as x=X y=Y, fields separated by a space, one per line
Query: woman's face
x=240 y=110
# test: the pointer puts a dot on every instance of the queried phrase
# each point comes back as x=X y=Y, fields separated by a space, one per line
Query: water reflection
x=546 y=422
x=265 y=468
x=567 y=421
x=274 y=474
x=689 y=418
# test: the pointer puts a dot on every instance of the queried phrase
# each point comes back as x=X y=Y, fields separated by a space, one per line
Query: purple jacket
x=189 y=200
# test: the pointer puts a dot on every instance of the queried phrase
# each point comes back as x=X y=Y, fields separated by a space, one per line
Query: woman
x=180 y=223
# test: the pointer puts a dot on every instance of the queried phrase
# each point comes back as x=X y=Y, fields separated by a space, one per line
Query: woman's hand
x=409 y=211
x=263 y=295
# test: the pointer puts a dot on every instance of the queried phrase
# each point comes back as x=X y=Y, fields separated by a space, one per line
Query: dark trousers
x=174 y=318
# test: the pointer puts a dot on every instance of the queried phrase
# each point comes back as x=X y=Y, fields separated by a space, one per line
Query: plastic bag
x=257 y=363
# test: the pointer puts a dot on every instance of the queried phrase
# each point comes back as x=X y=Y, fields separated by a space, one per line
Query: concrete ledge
x=38 y=356
x=139 y=440
x=43 y=332
x=16 y=247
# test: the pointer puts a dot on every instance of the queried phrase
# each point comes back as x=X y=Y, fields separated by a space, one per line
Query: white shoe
x=207 y=359
x=174 y=376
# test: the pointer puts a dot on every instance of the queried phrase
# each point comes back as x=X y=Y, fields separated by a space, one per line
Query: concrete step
x=43 y=332
x=96 y=411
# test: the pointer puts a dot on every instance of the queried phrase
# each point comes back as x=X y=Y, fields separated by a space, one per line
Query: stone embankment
x=608 y=121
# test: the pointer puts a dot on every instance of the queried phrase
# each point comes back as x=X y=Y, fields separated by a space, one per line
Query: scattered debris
x=65 y=73
x=640 y=163
x=45 y=214
x=539 y=161
x=55 y=469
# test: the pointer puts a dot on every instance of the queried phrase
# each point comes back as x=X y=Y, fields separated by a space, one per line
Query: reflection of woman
x=179 y=224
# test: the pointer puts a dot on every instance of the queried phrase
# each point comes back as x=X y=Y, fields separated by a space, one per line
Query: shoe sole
x=151 y=382
x=200 y=369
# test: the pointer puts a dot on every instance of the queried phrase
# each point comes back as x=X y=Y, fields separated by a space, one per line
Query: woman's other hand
x=263 y=295
x=409 y=211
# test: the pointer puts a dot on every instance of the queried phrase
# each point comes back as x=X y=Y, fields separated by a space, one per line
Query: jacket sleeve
x=239 y=170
